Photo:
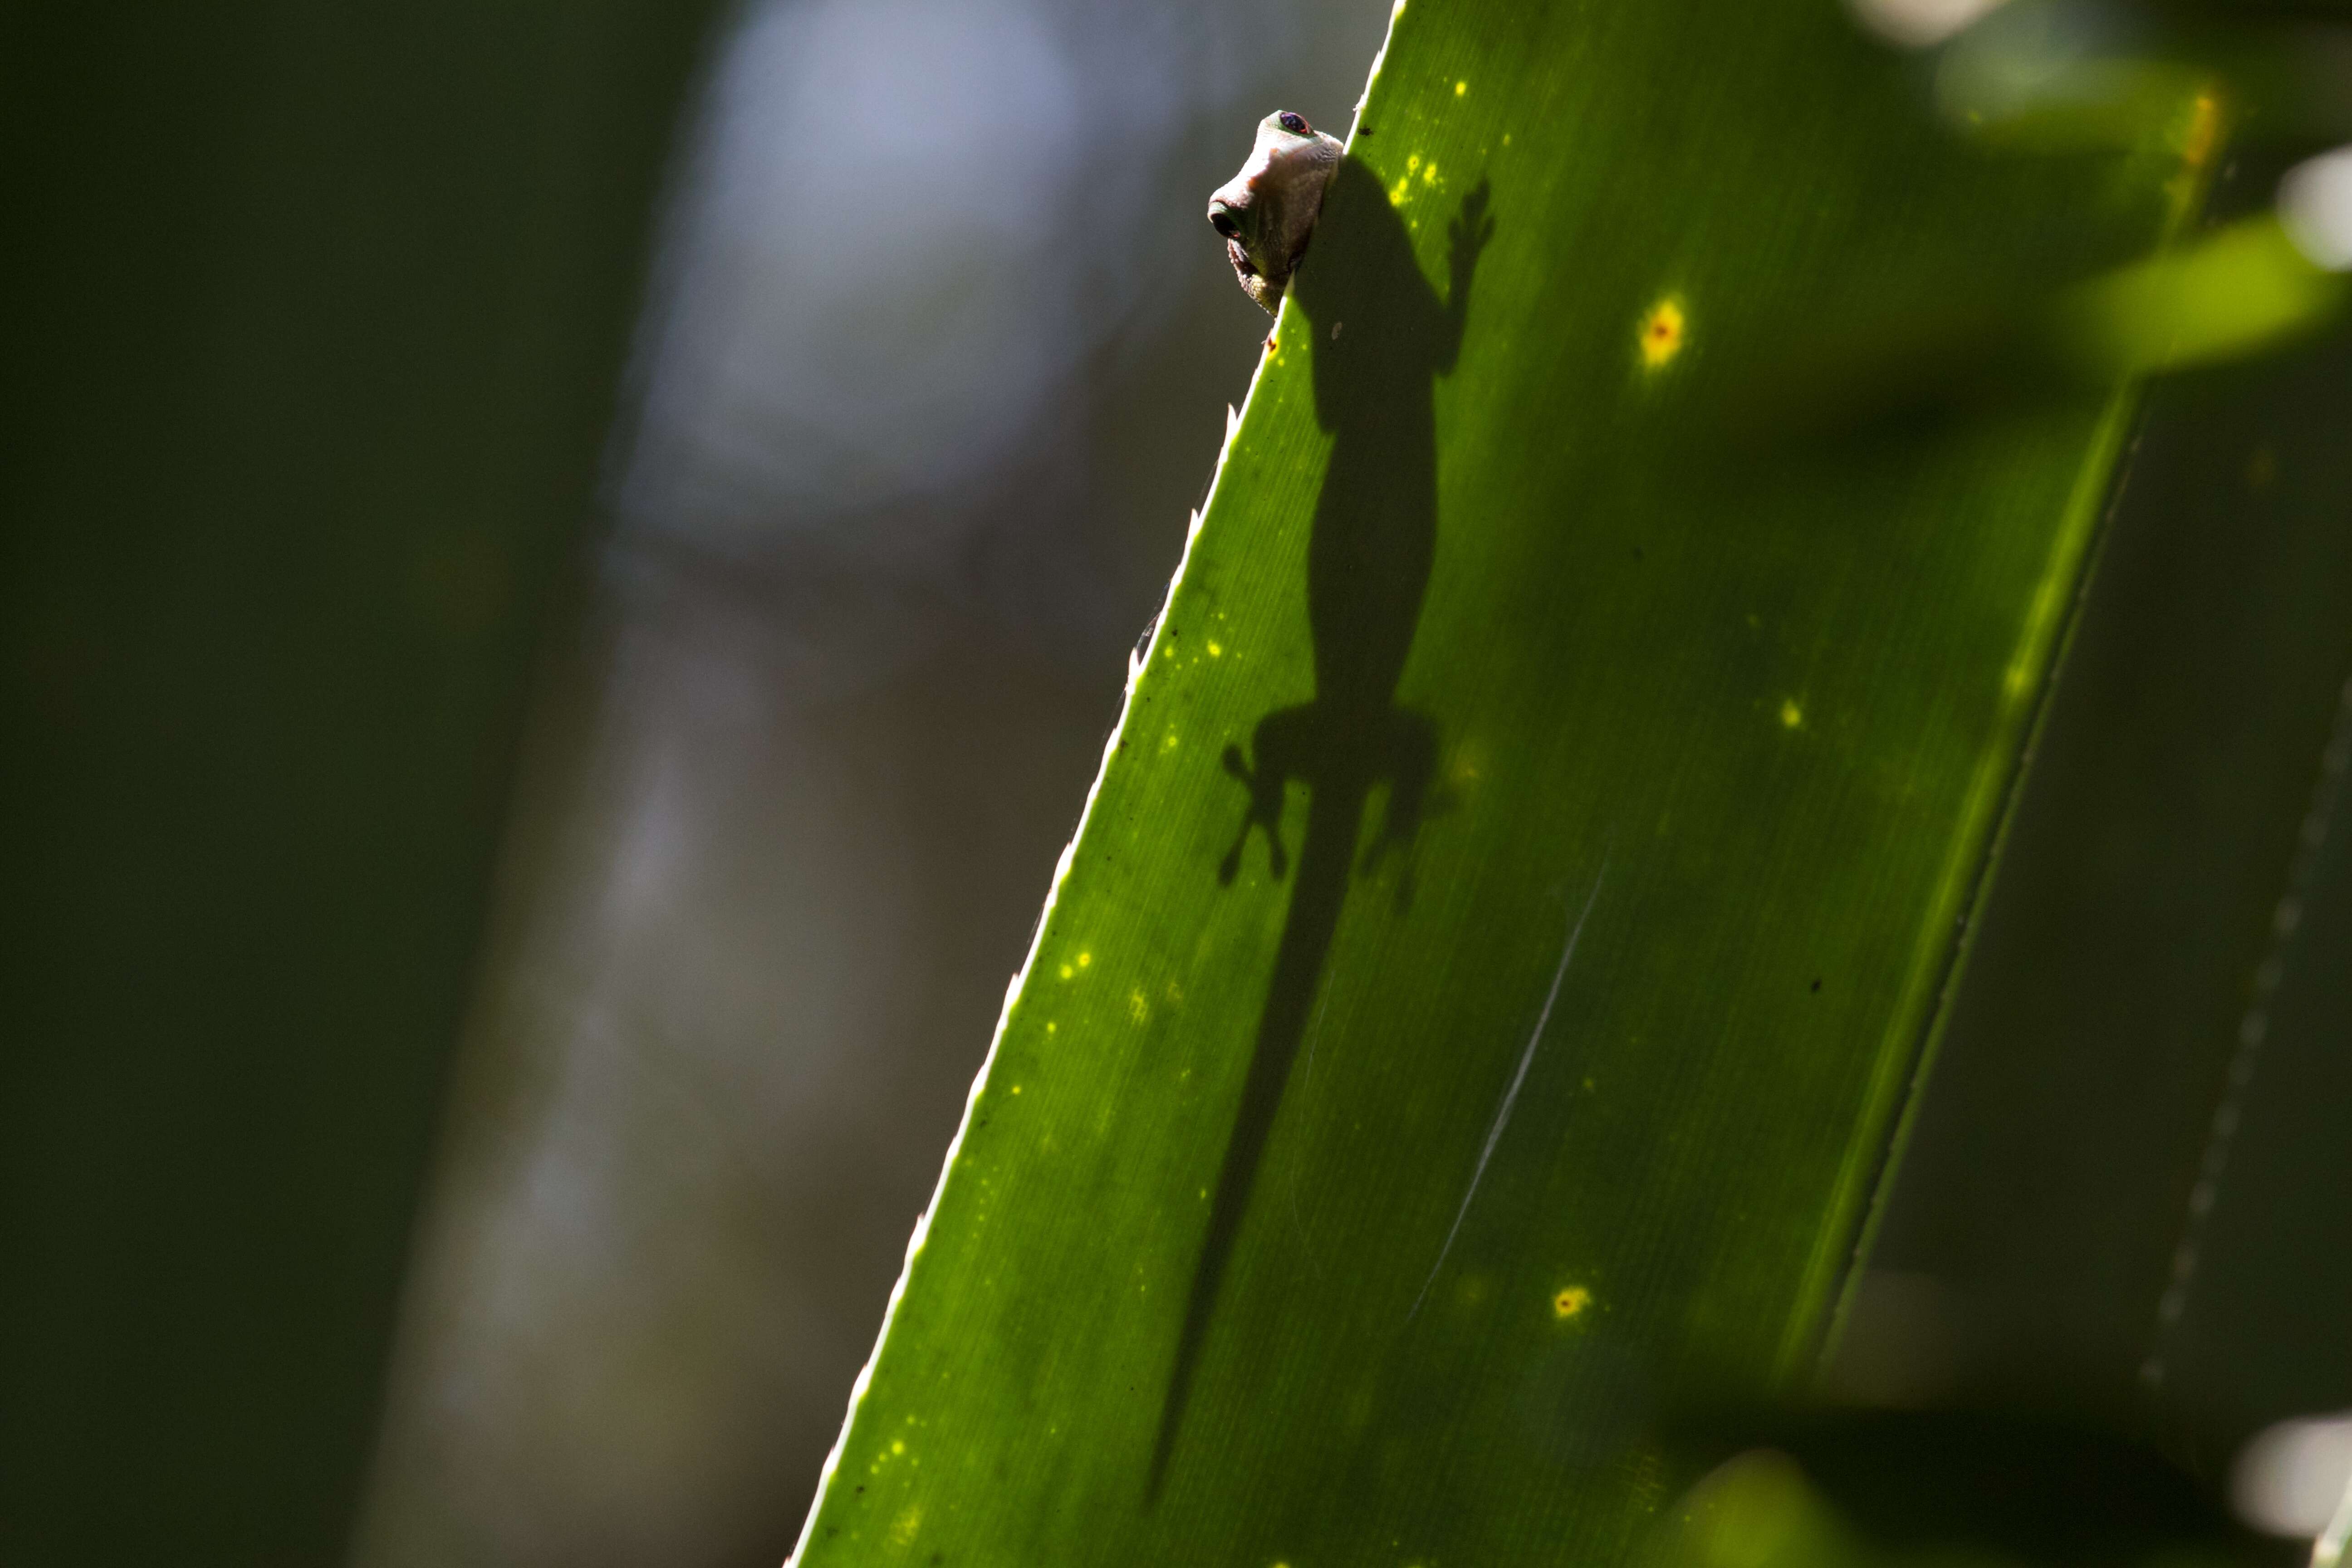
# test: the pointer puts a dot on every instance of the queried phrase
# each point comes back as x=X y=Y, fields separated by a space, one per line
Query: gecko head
x=1268 y=212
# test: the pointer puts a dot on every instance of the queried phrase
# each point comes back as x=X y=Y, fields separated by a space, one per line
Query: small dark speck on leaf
x=1817 y=984
x=1363 y=130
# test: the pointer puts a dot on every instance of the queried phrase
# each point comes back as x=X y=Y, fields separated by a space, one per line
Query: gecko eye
x=1293 y=123
x=1221 y=218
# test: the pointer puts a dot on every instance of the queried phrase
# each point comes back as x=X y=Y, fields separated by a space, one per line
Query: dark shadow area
x=1993 y=1484
x=1903 y=378
x=323 y=319
x=1380 y=337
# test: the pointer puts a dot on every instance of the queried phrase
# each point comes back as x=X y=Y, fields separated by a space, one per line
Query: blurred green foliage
x=2126 y=1180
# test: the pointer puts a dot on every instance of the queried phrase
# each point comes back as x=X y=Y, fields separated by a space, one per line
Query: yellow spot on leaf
x=898 y=1446
x=1791 y=714
x=1051 y=1027
x=1169 y=743
x=1136 y=1007
x=1016 y=1088
x=1428 y=173
x=1397 y=192
x=1413 y=165
x=903 y=1528
x=1067 y=971
x=1460 y=87
x=1085 y=959
x=1662 y=332
x=1570 y=1302
x=1216 y=650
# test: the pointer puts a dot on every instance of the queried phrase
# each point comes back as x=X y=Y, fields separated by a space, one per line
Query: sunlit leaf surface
x=1478 y=1004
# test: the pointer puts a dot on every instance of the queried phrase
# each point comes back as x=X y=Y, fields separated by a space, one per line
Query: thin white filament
x=1511 y=1095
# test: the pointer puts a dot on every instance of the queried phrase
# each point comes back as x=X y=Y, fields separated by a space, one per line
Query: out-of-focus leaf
x=2240 y=290
x=2237 y=291
x=316 y=316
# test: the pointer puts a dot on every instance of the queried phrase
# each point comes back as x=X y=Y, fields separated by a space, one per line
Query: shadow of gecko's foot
x=1266 y=786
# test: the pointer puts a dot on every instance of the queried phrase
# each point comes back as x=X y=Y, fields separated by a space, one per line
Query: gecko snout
x=1222 y=219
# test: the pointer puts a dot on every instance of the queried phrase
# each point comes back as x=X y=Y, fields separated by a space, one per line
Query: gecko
x=1268 y=212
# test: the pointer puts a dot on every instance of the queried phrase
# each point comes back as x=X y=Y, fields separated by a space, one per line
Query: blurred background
x=566 y=572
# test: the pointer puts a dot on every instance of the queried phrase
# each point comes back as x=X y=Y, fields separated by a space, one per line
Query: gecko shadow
x=1380 y=337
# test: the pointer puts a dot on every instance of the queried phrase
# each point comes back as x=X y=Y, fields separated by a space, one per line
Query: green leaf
x=1475 y=1009
x=2233 y=293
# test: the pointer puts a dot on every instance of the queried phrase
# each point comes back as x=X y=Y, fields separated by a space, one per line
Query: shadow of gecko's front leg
x=1283 y=746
